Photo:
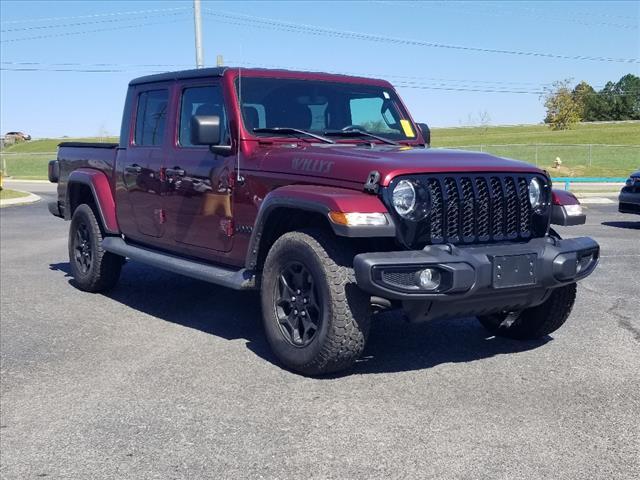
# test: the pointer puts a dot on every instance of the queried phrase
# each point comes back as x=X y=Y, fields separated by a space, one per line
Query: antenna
x=239 y=177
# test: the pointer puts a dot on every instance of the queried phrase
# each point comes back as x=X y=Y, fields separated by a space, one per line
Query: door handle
x=133 y=168
x=175 y=172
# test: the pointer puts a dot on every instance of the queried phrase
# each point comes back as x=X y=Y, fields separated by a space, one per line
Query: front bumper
x=629 y=200
x=478 y=279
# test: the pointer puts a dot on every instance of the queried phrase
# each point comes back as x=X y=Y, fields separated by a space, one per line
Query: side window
x=368 y=113
x=254 y=115
x=151 y=117
x=201 y=101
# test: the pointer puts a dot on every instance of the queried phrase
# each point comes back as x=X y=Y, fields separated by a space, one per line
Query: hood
x=349 y=163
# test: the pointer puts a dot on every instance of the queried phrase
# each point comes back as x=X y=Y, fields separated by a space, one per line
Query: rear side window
x=201 y=101
x=151 y=117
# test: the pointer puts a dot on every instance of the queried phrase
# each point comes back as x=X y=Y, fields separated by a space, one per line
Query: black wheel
x=93 y=269
x=534 y=322
x=315 y=317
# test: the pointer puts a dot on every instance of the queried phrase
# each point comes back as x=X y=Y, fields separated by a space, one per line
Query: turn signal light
x=573 y=210
x=356 y=219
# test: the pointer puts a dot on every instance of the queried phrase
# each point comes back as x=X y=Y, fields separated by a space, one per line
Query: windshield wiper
x=292 y=131
x=356 y=132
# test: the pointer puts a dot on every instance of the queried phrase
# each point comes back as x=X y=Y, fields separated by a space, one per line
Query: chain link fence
x=596 y=160
x=32 y=166
x=586 y=160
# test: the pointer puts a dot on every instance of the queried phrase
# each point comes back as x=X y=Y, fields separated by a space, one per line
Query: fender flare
x=560 y=215
x=100 y=187
x=321 y=200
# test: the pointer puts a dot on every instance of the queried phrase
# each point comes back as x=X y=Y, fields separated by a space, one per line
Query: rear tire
x=93 y=268
x=316 y=319
x=534 y=322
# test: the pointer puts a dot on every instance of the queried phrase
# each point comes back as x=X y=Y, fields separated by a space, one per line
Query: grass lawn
x=602 y=159
x=29 y=160
x=627 y=133
x=615 y=150
x=7 y=194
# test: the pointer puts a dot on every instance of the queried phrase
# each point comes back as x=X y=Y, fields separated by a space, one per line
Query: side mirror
x=205 y=130
x=426 y=133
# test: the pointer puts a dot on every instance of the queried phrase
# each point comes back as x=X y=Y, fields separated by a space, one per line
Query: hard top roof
x=261 y=72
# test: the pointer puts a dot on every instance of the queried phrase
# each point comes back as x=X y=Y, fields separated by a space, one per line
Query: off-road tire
x=103 y=270
x=344 y=320
x=534 y=322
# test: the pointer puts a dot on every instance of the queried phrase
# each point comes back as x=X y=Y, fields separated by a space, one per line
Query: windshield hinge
x=372 y=184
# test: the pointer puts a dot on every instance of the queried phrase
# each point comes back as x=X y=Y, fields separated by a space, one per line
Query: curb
x=30 y=198
x=23 y=180
x=596 y=194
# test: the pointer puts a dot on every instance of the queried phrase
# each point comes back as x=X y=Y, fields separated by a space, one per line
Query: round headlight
x=535 y=192
x=404 y=198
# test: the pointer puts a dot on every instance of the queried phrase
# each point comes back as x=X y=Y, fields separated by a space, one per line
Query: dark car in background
x=630 y=195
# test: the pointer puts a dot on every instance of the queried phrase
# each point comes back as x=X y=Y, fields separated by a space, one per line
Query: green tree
x=616 y=101
x=563 y=110
x=583 y=94
x=626 y=98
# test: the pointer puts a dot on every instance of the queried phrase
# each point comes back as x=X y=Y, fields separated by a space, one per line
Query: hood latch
x=372 y=185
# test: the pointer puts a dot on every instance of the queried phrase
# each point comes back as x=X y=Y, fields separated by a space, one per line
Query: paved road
x=168 y=377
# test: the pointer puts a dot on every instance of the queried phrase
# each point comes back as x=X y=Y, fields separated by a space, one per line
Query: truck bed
x=75 y=155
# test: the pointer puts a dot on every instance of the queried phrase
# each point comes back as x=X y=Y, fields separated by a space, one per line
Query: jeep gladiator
x=322 y=192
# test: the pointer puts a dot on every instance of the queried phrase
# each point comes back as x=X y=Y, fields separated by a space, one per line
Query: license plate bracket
x=514 y=270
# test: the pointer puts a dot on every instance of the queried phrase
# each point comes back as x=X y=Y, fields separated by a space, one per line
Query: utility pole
x=197 y=21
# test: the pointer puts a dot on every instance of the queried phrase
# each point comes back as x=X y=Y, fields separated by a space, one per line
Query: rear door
x=198 y=202
x=141 y=172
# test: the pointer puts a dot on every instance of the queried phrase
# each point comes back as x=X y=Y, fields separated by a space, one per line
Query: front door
x=198 y=200
x=141 y=169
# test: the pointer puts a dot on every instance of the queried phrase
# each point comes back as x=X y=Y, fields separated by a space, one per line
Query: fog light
x=584 y=262
x=429 y=279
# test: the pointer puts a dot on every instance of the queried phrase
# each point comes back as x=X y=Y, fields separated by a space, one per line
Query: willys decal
x=311 y=165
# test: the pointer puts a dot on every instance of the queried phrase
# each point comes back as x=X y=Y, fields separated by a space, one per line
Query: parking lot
x=168 y=377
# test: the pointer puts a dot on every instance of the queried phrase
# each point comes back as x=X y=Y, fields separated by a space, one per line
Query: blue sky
x=435 y=82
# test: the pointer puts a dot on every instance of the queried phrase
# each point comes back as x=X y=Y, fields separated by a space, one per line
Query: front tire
x=535 y=322
x=315 y=317
x=93 y=268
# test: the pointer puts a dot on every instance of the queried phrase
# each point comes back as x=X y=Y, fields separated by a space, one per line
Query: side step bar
x=242 y=279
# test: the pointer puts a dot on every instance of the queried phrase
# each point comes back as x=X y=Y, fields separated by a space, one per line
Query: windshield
x=320 y=107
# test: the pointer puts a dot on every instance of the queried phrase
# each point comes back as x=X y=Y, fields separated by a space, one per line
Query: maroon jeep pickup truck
x=322 y=192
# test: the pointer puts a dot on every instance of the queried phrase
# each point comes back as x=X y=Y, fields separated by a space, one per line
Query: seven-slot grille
x=478 y=208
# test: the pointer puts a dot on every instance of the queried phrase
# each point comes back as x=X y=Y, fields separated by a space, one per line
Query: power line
x=101 y=64
x=578 y=13
x=36 y=69
x=490 y=86
x=78 y=24
x=412 y=85
x=411 y=79
x=261 y=22
x=373 y=75
x=105 y=70
x=97 y=30
x=533 y=13
x=96 y=15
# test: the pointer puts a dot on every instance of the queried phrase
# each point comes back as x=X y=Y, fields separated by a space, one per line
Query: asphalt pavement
x=168 y=377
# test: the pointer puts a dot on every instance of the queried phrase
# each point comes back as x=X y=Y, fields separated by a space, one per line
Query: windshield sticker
x=407 y=128
x=386 y=95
